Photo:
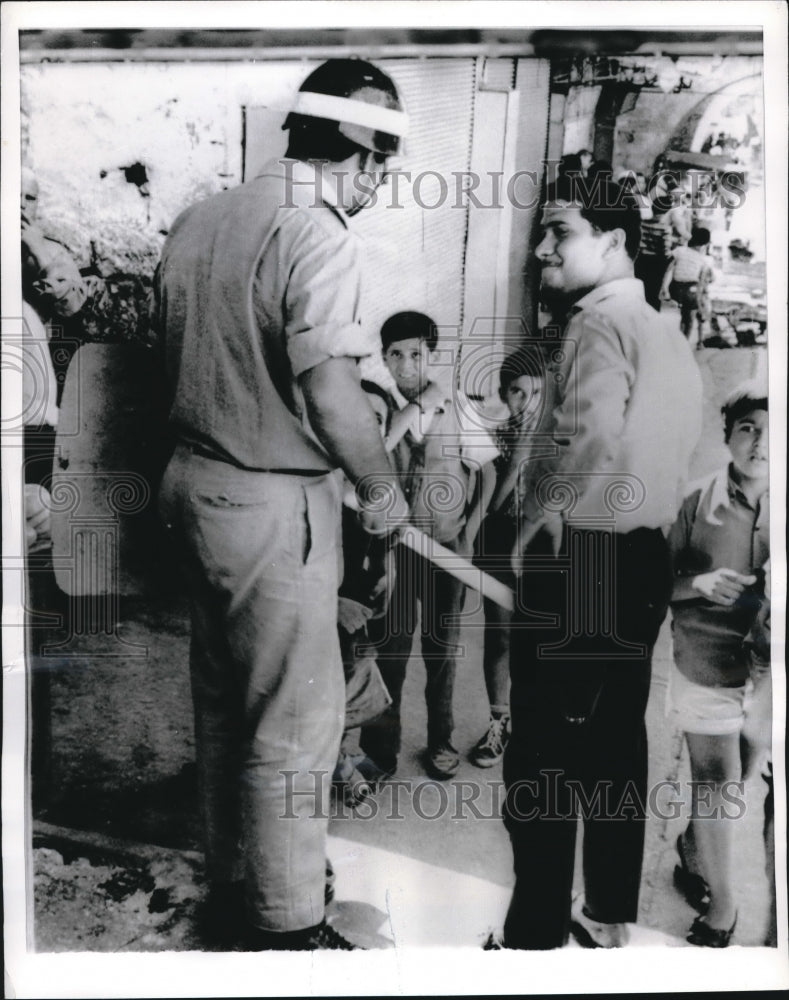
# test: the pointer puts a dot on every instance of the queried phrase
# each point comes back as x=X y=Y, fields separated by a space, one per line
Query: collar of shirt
x=724 y=492
x=631 y=287
x=735 y=492
x=307 y=189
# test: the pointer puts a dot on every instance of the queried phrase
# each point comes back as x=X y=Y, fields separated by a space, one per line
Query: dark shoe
x=592 y=933
x=322 y=937
x=493 y=943
x=326 y=938
x=221 y=919
x=349 y=784
x=442 y=762
x=490 y=748
x=704 y=936
x=372 y=772
x=692 y=886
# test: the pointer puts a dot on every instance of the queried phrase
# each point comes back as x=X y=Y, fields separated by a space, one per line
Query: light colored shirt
x=627 y=419
x=717 y=527
x=39 y=388
x=439 y=470
x=257 y=285
x=689 y=264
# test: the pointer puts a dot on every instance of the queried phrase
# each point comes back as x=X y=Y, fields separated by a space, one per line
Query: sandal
x=704 y=936
x=692 y=886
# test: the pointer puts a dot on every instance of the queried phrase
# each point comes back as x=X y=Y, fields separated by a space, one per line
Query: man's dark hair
x=746 y=397
x=525 y=360
x=321 y=138
x=605 y=204
x=408 y=325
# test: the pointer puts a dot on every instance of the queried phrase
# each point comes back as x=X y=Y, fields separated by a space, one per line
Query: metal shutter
x=416 y=254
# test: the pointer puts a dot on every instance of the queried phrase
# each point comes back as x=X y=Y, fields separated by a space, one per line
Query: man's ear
x=616 y=241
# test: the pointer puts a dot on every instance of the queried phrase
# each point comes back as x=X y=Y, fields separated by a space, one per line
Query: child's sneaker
x=490 y=748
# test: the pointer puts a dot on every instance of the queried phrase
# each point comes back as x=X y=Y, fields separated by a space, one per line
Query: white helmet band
x=352 y=112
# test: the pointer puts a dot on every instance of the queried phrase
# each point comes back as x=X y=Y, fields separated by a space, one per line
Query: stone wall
x=120 y=149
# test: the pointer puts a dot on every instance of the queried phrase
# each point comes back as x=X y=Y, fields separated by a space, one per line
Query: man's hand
x=382 y=506
x=351 y=615
x=722 y=586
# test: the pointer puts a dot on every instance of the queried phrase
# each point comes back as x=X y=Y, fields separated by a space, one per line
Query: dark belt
x=202 y=452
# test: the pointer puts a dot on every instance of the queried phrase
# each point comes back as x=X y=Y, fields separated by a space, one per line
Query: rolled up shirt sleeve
x=322 y=302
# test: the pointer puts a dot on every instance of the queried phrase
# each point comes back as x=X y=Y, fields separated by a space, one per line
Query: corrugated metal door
x=417 y=252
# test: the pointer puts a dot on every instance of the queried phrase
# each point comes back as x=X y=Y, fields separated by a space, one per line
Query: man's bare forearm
x=343 y=420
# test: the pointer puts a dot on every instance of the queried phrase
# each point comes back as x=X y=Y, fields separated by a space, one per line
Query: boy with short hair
x=447 y=476
x=686 y=279
x=521 y=389
x=720 y=691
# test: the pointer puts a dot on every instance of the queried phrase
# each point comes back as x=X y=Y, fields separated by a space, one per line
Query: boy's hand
x=722 y=586
x=351 y=615
x=432 y=397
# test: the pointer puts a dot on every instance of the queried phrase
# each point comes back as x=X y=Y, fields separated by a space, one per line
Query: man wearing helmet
x=257 y=302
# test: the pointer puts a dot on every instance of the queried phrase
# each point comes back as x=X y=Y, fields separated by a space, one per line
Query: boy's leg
x=442 y=600
x=392 y=636
x=714 y=762
x=496 y=661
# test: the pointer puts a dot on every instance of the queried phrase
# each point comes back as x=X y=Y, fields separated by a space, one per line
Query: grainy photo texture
x=392 y=461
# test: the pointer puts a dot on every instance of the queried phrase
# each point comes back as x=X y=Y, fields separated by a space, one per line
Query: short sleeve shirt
x=717 y=527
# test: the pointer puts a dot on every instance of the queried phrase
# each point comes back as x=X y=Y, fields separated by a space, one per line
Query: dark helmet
x=361 y=98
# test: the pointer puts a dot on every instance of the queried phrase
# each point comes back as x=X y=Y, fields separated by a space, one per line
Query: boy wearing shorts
x=720 y=546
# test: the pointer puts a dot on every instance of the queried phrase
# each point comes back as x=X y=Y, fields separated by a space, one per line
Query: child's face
x=381 y=410
x=748 y=445
x=523 y=395
x=408 y=361
x=61 y=285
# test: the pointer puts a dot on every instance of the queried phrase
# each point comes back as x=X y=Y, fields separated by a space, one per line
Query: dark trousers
x=579 y=694
x=441 y=597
